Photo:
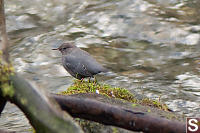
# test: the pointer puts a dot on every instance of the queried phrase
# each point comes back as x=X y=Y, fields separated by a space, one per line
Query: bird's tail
x=104 y=70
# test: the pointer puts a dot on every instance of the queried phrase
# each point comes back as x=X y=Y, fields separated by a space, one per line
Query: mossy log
x=107 y=114
x=43 y=113
x=79 y=87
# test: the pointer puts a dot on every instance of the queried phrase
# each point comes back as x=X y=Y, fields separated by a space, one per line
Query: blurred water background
x=150 y=46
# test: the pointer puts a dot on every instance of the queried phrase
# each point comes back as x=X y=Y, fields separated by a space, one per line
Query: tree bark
x=4 y=39
x=116 y=116
x=43 y=113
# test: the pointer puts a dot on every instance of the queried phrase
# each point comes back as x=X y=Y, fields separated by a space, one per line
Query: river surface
x=149 y=46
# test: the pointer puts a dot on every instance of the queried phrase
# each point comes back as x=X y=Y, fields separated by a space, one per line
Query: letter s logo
x=191 y=123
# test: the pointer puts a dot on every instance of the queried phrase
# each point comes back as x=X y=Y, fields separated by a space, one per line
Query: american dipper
x=79 y=63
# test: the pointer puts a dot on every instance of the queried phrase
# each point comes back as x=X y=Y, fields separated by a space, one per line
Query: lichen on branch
x=6 y=70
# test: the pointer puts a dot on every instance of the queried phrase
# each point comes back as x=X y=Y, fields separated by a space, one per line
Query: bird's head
x=64 y=47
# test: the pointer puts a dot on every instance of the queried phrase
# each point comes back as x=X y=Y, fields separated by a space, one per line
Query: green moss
x=115 y=130
x=154 y=103
x=95 y=127
x=86 y=87
x=7 y=89
x=114 y=92
x=88 y=126
x=30 y=130
x=134 y=105
x=6 y=70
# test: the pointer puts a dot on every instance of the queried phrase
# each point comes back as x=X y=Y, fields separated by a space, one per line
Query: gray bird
x=79 y=63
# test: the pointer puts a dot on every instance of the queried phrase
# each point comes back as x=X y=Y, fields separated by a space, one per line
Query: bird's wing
x=90 y=63
x=75 y=65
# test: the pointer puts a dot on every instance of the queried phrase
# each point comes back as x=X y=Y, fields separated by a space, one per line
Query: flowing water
x=149 y=46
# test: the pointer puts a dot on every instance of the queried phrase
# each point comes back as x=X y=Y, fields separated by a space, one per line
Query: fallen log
x=111 y=115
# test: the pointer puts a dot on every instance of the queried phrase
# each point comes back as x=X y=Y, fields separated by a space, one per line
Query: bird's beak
x=55 y=49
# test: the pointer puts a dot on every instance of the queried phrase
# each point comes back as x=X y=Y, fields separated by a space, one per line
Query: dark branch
x=112 y=115
x=2 y=103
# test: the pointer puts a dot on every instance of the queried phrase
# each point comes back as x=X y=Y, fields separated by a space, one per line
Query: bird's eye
x=64 y=48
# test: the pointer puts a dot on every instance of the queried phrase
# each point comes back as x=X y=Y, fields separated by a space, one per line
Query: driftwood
x=120 y=117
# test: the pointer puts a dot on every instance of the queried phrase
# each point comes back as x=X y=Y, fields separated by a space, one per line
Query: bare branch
x=111 y=115
x=43 y=112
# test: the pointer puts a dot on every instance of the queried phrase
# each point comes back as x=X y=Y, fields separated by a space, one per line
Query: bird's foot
x=82 y=79
x=95 y=80
x=89 y=81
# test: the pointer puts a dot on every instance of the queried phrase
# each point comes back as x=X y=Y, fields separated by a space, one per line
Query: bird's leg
x=82 y=79
x=95 y=80
x=88 y=85
x=89 y=80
